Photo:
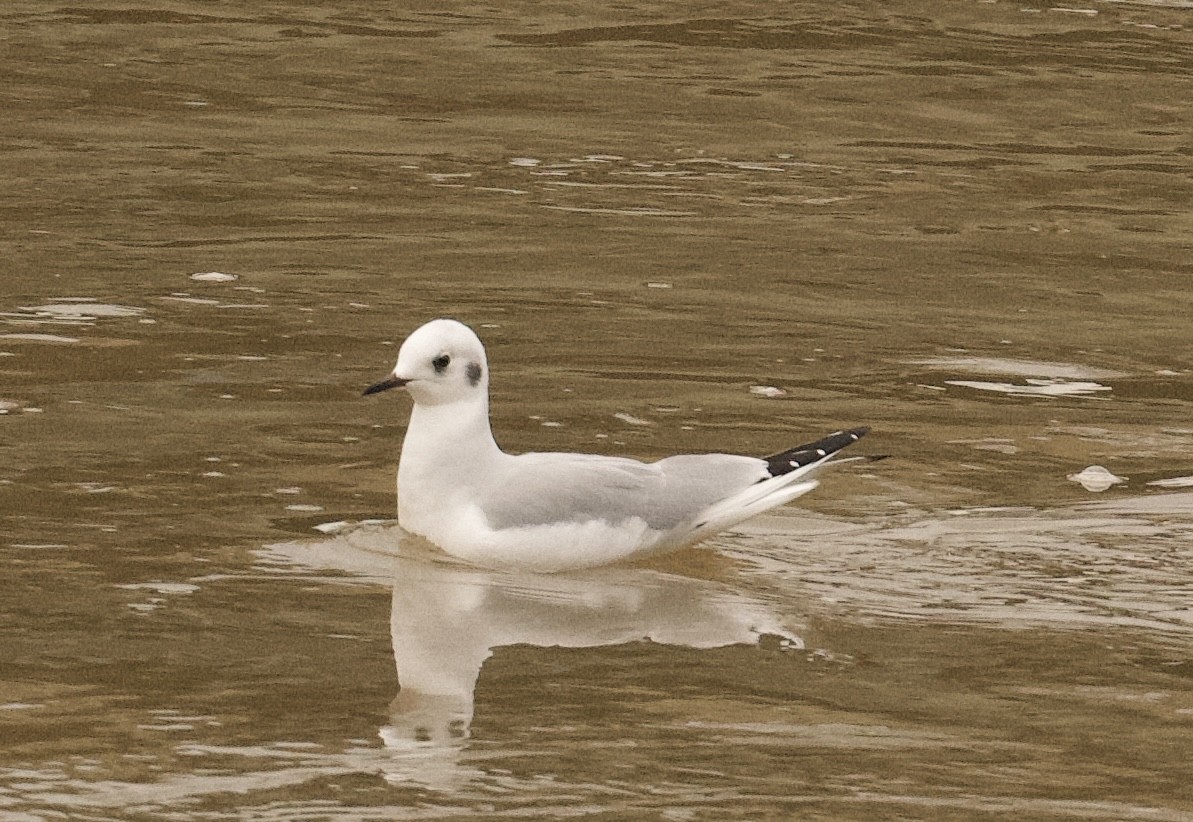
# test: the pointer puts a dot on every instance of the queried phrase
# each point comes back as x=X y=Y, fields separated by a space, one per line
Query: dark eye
x=440 y=363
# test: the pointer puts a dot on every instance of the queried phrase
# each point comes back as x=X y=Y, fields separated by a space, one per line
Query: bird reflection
x=448 y=618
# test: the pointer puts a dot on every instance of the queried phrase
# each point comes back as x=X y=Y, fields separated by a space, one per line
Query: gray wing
x=544 y=489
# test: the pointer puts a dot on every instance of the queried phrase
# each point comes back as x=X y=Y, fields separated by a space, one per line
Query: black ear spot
x=474 y=373
x=440 y=363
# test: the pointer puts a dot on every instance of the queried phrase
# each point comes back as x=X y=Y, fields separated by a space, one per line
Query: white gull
x=552 y=512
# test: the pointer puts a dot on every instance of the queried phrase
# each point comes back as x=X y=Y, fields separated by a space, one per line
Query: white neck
x=446 y=445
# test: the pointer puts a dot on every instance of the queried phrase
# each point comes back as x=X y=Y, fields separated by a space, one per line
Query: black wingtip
x=787 y=461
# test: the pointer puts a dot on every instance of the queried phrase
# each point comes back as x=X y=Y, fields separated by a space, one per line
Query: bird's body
x=552 y=511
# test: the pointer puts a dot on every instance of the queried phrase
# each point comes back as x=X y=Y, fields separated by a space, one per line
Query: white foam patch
x=768 y=391
x=84 y=310
x=161 y=587
x=1034 y=388
x=1096 y=479
x=630 y=419
x=53 y=339
x=1018 y=368
x=1173 y=482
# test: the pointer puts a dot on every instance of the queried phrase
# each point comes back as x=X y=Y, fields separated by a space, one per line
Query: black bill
x=384 y=385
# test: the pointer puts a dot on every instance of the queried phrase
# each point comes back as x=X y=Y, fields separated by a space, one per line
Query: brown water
x=727 y=226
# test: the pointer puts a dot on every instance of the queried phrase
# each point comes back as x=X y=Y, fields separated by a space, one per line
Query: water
x=720 y=228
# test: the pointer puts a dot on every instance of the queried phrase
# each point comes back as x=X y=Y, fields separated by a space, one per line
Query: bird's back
x=546 y=488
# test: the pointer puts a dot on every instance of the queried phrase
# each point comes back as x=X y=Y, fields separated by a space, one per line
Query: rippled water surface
x=678 y=227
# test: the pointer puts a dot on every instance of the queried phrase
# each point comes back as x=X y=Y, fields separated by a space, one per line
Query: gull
x=552 y=512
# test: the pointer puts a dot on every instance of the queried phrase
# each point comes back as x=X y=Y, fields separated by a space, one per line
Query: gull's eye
x=440 y=363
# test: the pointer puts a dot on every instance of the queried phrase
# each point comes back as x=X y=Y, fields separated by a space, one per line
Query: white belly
x=541 y=548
